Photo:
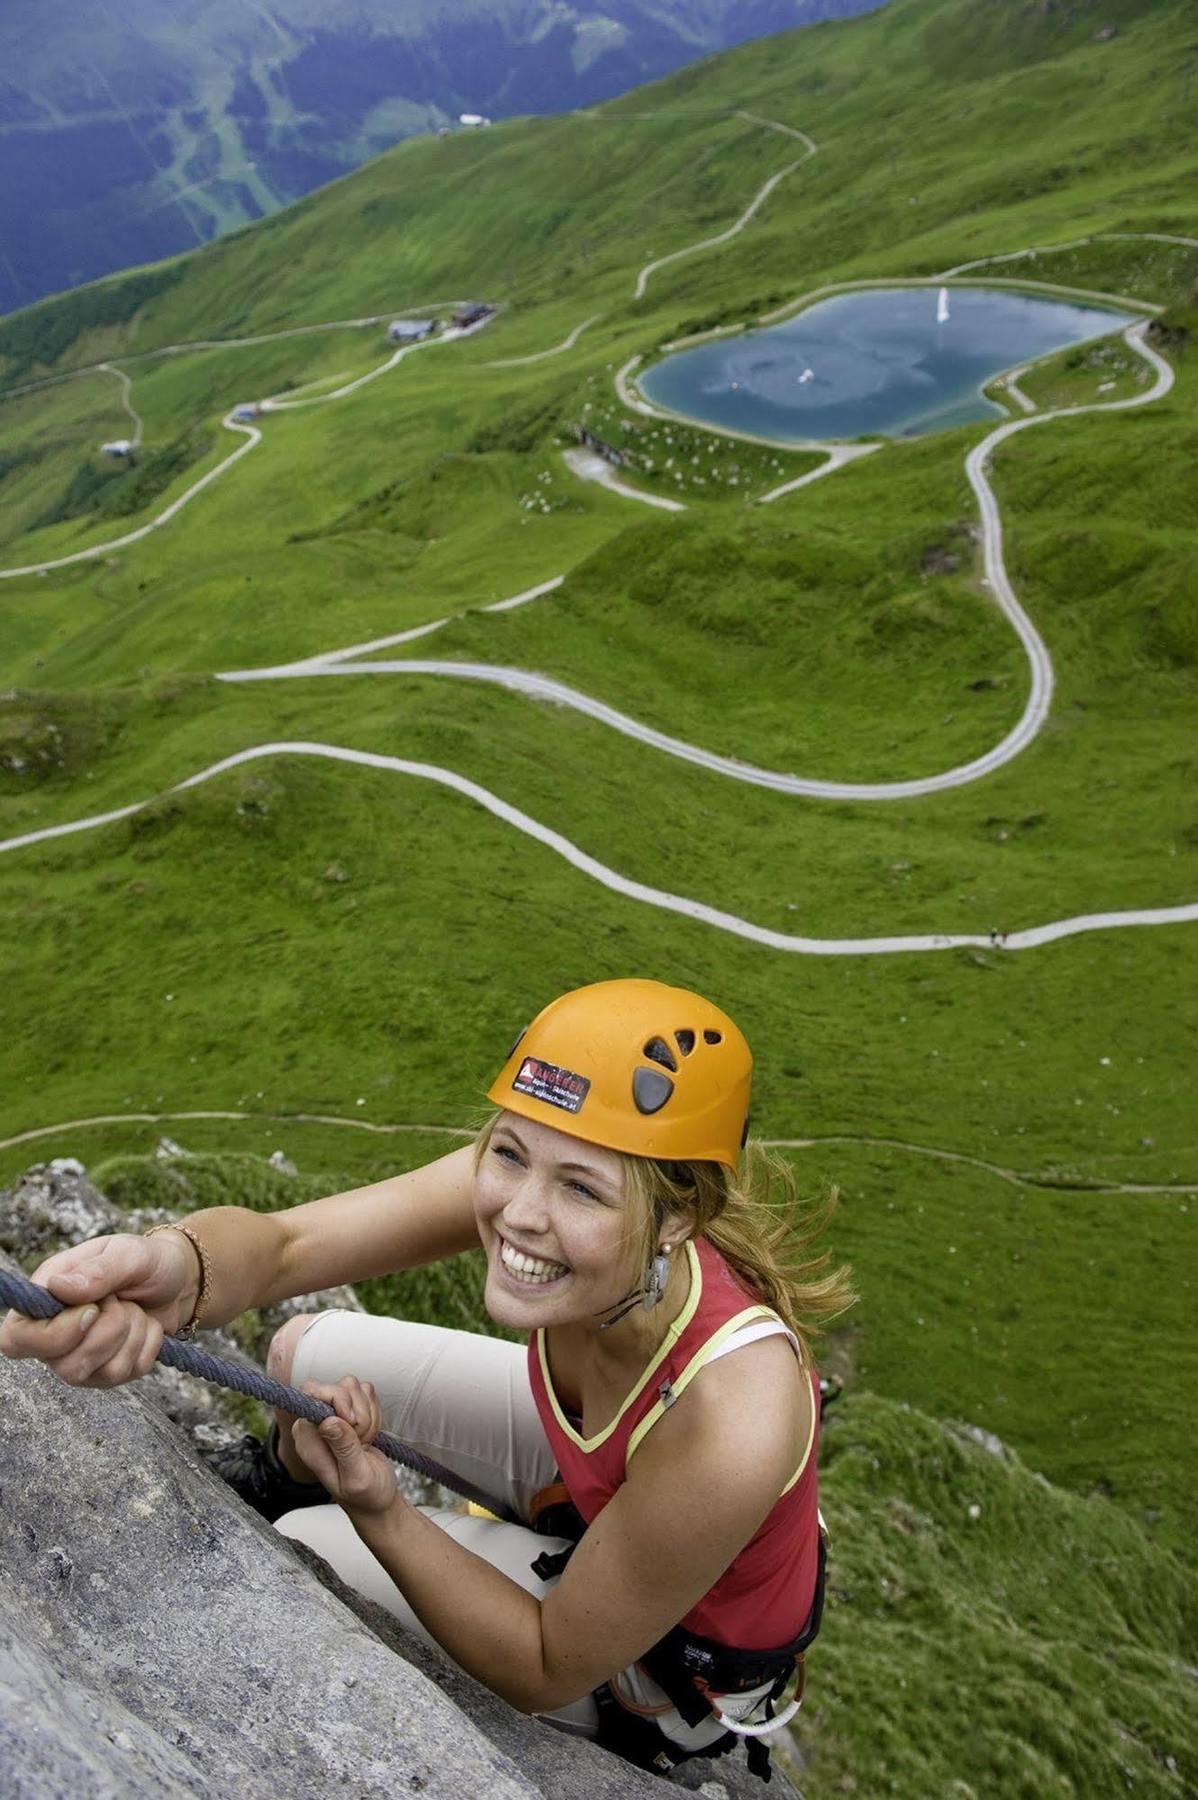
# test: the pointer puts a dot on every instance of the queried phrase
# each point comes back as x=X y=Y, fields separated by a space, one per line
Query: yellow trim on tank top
x=689 y=1308
x=806 y=1446
x=692 y=1369
x=701 y=1357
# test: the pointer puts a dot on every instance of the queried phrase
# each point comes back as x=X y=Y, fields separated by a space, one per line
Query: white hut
x=249 y=409
x=410 y=331
x=472 y=119
x=120 y=447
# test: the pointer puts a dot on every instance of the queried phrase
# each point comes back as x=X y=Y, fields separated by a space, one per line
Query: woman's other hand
x=121 y=1295
x=359 y=1479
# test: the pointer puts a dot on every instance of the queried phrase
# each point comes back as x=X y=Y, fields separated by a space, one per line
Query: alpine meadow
x=301 y=823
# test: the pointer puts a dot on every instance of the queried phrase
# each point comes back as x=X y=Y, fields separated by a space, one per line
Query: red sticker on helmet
x=556 y=1087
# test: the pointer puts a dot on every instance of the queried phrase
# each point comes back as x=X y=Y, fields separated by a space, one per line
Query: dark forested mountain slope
x=127 y=133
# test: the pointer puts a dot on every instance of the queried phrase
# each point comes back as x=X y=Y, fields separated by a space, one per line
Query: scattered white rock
x=987 y=1439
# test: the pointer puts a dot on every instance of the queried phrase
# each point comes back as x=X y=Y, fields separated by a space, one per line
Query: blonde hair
x=755 y=1218
x=758 y=1222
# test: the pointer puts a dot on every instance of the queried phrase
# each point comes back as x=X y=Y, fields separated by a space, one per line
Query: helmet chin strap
x=648 y=1295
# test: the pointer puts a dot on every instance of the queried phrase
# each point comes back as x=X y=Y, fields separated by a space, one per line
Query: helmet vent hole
x=713 y=1037
x=658 y=1051
x=651 y=1090
x=685 y=1041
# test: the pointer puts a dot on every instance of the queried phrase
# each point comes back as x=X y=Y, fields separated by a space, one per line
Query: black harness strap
x=687 y=1668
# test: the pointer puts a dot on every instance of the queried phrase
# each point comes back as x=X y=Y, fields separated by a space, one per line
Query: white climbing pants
x=466 y=1401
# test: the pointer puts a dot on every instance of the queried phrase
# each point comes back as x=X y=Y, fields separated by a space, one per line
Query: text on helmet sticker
x=556 y=1087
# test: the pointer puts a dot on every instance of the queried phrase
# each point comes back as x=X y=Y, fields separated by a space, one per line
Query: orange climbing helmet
x=635 y=1066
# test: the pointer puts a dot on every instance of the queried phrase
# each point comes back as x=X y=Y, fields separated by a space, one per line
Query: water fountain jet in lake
x=886 y=368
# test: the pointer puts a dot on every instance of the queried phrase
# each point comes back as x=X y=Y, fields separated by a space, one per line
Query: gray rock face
x=184 y=1625
x=54 y=1205
x=157 y=1638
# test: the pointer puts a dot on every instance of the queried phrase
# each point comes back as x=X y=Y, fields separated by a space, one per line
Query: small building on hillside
x=120 y=449
x=248 y=410
x=472 y=121
x=472 y=313
x=410 y=331
x=619 y=459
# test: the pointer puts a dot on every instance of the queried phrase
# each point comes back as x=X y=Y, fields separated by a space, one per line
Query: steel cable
x=39 y=1303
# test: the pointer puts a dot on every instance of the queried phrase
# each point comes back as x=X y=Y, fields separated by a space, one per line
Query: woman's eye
x=505 y=1152
x=580 y=1187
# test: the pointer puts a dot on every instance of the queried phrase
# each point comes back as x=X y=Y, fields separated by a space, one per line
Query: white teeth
x=527 y=1268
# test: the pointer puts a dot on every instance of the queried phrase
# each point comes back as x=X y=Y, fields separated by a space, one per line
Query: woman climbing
x=657 y=1574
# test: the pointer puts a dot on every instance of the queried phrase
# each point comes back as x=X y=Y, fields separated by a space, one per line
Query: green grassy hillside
x=986 y=1632
x=1012 y=1131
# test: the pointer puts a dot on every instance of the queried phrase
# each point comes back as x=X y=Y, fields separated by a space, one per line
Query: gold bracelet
x=192 y=1326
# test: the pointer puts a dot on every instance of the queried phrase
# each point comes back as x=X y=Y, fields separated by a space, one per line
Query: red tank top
x=764 y=1597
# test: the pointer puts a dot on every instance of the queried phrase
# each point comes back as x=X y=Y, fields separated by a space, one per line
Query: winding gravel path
x=253 y=438
x=250 y=432
x=982 y=262
x=1025 y=730
x=542 y=688
x=838 y=456
x=126 y=401
x=567 y=343
x=588 y=465
x=609 y=878
x=759 y=199
x=1012 y=387
x=1016 y=1178
x=187 y=345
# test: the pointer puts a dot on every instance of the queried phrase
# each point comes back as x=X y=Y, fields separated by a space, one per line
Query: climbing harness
x=39 y=1303
x=695 y=1673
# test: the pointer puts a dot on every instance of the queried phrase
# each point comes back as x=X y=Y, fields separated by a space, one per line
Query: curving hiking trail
x=1012 y=388
x=1156 y=237
x=610 y=878
x=229 y=423
x=127 y=401
x=759 y=199
x=345 y=661
x=249 y=432
x=541 y=687
x=567 y=343
x=1015 y=1177
x=588 y=465
x=187 y=346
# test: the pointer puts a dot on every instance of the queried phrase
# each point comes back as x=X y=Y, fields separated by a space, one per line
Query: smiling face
x=553 y=1221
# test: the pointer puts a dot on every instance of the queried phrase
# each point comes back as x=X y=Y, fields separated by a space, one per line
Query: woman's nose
x=527 y=1209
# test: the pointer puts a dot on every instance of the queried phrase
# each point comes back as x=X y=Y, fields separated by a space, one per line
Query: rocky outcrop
x=55 y=1204
x=157 y=1638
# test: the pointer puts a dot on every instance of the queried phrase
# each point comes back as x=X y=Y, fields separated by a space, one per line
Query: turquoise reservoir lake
x=883 y=363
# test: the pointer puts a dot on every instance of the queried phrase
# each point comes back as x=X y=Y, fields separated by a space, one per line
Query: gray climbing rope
x=39 y=1303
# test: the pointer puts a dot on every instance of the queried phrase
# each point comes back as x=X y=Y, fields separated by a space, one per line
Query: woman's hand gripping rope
x=337 y=1451
x=127 y=1357
x=120 y=1296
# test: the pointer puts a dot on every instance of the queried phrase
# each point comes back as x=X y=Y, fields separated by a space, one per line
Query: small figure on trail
x=994 y=937
x=659 y=1571
x=1003 y=939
